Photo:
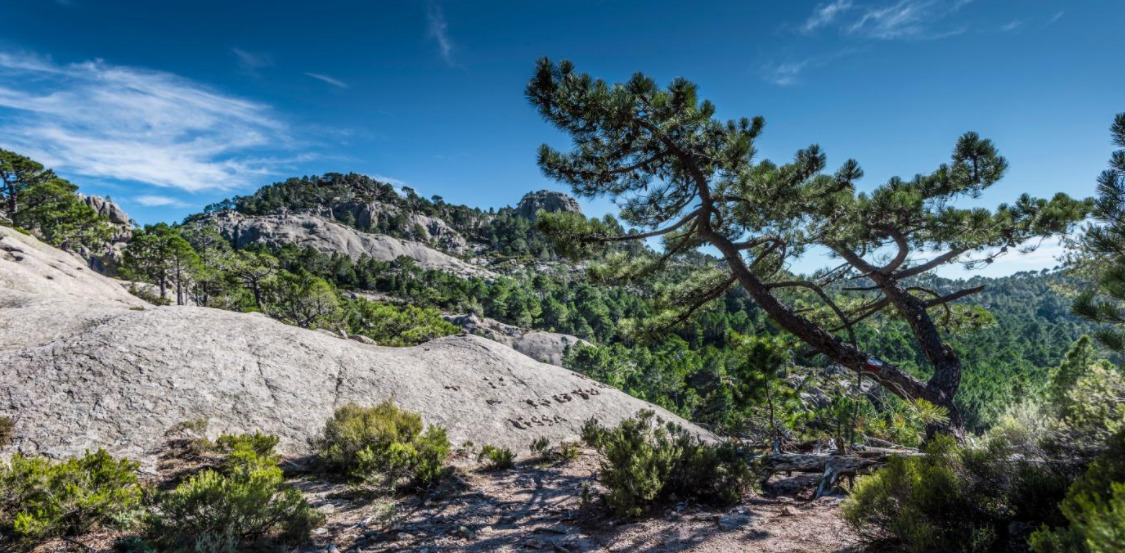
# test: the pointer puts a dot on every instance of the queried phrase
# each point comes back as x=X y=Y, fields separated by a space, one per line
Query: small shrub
x=647 y=460
x=497 y=458
x=7 y=430
x=568 y=451
x=384 y=444
x=246 y=506
x=40 y=499
x=541 y=446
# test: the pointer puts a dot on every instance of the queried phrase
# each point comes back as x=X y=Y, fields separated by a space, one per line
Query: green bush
x=245 y=506
x=384 y=444
x=541 y=446
x=7 y=430
x=41 y=499
x=568 y=451
x=953 y=498
x=1094 y=507
x=496 y=457
x=647 y=460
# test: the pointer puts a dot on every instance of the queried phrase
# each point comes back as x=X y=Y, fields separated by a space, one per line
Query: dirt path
x=538 y=507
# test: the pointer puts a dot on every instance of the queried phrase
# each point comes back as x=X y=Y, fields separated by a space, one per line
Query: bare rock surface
x=548 y=347
x=548 y=201
x=309 y=230
x=84 y=365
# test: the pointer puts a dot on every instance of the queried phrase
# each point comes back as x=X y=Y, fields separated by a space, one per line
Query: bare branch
x=939 y=260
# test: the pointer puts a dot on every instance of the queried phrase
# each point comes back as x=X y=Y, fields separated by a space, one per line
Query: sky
x=169 y=106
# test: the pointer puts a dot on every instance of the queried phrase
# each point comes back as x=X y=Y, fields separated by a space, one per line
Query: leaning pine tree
x=671 y=166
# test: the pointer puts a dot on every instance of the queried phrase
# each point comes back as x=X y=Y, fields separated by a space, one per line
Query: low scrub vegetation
x=42 y=499
x=497 y=458
x=384 y=445
x=7 y=430
x=243 y=506
x=1054 y=463
x=646 y=460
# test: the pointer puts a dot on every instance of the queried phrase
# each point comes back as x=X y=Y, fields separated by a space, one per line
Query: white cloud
x=251 y=62
x=158 y=201
x=438 y=30
x=390 y=180
x=898 y=19
x=1011 y=25
x=825 y=14
x=1054 y=19
x=328 y=79
x=786 y=73
x=907 y=19
x=131 y=124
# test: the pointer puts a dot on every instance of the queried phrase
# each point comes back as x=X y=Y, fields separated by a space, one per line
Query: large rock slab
x=328 y=236
x=84 y=365
x=548 y=347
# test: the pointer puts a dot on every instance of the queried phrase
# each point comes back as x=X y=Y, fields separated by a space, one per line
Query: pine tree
x=1103 y=248
x=673 y=167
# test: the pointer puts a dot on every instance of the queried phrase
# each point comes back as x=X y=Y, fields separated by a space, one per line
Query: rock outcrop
x=546 y=200
x=547 y=347
x=110 y=210
x=85 y=365
x=328 y=236
x=106 y=259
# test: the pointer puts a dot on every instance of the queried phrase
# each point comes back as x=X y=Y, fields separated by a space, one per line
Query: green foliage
x=497 y=458
x=1094 y=508
x=7 y=430
x=672 y=166
x=382 y=444
x=38 y=200
x=1101 y=252
x=391 y=325
x=40 y=499
x=245 y=506
x=953 y=498
x=302 y=299
x=159 y=254
x=646 y=460
x=567 y=451
x=540 y=446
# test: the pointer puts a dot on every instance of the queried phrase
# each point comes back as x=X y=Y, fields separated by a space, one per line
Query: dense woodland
x=1028 y=431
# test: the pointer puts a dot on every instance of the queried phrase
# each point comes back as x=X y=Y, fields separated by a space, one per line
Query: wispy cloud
x=1011 y=25
x=158 y=201
x=909 y=19
x=251 y=62
x=328 y=79
x=131 y=124
x=1055 y=19
x=390 y=180
x=825 y=14
x=438 y=30
x=786 y=73
x=899 y=19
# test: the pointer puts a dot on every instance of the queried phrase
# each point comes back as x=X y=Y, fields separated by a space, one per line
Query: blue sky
x=168 y=106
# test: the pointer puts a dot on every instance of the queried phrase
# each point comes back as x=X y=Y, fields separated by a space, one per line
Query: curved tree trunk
x=939 y=390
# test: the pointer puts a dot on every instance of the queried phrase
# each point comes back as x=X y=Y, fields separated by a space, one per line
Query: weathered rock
x=546 y=200
x=112 y=211
x=548 y=347
x=309 y=230
x=85 y=365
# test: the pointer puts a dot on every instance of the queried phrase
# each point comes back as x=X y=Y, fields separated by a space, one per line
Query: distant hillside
x=376 y=207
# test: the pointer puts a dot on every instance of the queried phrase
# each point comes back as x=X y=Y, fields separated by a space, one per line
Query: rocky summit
x=546 y=200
